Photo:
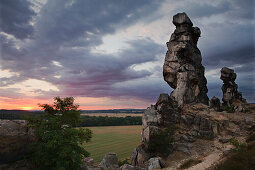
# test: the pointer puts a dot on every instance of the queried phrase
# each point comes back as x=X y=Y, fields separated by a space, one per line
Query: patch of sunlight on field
x=119 y=139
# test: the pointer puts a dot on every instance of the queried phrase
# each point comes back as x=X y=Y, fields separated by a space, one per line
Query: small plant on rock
x=161 y=142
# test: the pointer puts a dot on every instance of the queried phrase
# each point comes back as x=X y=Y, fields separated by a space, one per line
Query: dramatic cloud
x=15 y=18
x=115 y=49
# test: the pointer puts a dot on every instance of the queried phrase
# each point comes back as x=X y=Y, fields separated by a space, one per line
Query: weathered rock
x=139 y=156
x=88 y=161
x=15 y=138
x=182 y=68
x=229 y=88
x=215 y=104
x=154 y=163
x=110 y=161
x=128 y=167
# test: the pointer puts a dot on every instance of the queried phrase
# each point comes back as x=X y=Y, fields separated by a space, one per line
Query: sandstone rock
x=139 y=156
x=225 y=139
x=15 y=138
x=128 y=167
x=110 y=161
x=154 y=163
x=229 y=88
x=182 y=68
x=88 y=161
x=215 y=104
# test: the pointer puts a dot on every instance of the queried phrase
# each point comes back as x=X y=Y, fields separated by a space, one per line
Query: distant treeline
x=17 y=114
x=87 y=121
x=138 y=111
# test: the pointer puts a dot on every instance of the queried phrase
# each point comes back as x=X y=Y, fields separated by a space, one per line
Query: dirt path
x=208 y=161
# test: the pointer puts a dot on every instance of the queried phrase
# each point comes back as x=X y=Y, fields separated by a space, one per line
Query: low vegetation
x=161 y=141
x=57 y=142
x=242 y=157
x=87 y=121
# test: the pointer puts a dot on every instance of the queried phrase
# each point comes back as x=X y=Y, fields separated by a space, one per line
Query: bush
x=161 y=142
x=238 y=146
x=229 y=109
x=57 y=144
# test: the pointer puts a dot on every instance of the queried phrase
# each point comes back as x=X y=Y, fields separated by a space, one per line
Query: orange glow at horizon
x=85 y=103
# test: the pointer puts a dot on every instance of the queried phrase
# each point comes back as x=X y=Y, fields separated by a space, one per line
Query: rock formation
x=182 y=68
x=15 y=138
x=215 y=104
x=229 y=88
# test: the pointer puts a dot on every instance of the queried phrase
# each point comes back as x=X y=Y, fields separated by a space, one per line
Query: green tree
x=57 y=142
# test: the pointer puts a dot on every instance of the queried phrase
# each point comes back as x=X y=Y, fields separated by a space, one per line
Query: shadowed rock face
x=182 y=68
x=229 y=88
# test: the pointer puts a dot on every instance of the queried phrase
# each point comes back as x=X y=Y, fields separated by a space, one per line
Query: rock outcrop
x=229 y=88
x=215 y=104
x=15 y=138
x=182 y=68
x=110 y=161
x=164 y=114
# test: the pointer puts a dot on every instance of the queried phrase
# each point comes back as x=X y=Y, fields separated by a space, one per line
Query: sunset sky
x=109 y=54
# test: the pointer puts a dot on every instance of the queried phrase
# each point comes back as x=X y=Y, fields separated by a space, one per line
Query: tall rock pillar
x=182 y=68
x=229 y=87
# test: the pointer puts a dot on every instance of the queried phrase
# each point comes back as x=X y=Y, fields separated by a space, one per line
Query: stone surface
x=182 y=68
x=229 y=87
x=128 y=167
x=110 y=161
x=15 y=138
x=88 y=161
x=139 y=156
x=215 y=104
x=154 y=163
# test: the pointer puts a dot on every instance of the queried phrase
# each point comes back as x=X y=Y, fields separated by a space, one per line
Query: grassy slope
x=119 y=139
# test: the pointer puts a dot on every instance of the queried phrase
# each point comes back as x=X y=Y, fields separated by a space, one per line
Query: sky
x=108 y=54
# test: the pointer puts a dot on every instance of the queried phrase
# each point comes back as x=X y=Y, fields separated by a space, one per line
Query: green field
x=119 y=139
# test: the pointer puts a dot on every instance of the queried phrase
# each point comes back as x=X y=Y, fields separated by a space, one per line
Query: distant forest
x=86 y=121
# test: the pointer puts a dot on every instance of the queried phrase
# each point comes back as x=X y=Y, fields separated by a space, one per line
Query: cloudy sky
x=109 y=53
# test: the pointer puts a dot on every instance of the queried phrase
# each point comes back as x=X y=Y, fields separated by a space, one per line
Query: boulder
x=128 y=167
x=139 y=156
x=15 y=138
x=154 y=163
x=182 y=68
x=110 y=161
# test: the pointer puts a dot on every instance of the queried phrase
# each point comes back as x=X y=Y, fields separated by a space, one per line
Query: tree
x=57 y=141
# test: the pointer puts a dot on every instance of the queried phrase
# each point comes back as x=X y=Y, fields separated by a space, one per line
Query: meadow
x=119 y=139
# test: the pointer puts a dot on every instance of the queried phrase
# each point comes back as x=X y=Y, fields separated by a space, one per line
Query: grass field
x=119 y=139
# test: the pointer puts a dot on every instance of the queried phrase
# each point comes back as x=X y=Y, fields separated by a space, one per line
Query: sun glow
x=28 y=108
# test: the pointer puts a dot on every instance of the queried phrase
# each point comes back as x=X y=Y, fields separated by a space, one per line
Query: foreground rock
x=110 y=161
x=15 y=138
x=182 y=68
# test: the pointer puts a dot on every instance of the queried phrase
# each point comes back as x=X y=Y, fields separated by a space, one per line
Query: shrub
x=238 y=145
x=57 y=144
x=161 y=141
x=229 y=109
x=122 y=162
